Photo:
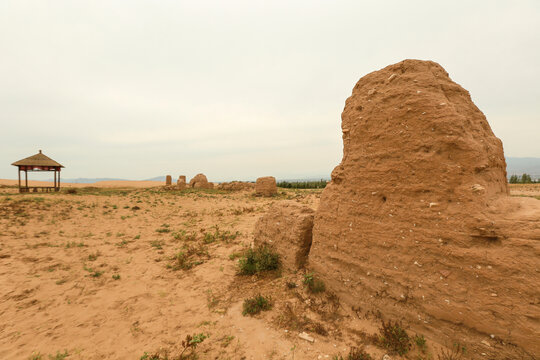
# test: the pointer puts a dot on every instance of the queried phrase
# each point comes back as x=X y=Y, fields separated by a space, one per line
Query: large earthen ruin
x=416 y=222
x=266 y=186
x=200 y=182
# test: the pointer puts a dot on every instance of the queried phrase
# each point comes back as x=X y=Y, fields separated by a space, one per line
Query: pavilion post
x=55 y=178
x=26 y=178
x=19 y=178
x=58 y=178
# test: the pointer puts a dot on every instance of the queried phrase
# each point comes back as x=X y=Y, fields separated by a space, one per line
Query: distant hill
x=518 y=166
x=157 y=178
x=87 y=180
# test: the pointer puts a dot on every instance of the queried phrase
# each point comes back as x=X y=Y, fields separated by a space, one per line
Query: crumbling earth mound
x=200 y=182
x=236 y=186
x=416 y=221
x=287 y=227
x=181 y=182
x=266 y=186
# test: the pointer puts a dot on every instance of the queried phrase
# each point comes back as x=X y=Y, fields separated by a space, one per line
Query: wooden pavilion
x=38 y=162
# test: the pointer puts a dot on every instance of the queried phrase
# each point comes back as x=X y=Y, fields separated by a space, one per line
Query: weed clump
x=394 y=338
x=354 y=354
x=225 y=236
x=190 y=343
x=188 y=257
x=163 y=229
x=291 y=285
x=421 y=343
x=457 y=353
x=314 y=284
x=262 y=258
x=256 y=304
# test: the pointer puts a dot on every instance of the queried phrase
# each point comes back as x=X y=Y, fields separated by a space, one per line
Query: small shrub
x=181 y=262
x=93 y=273
x=71 y=191
x=457 y=353
x=420 y=341
x=35 y=356
x=291 y=284
x=163 y=229
x=147 y=356
x=394 y=338
x=191 y=342
x=59 y=355
x=94 y=256
x=314 y=284
x=116 y=276
x=224 y=236
x=156 y=244
x=256 y=260
x=256 y=304
x=96 y=274
x=72 y=244
x=355 y=354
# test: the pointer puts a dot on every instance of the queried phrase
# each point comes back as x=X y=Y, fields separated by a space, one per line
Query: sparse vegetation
x=163 y=229
x=421 y=343
x=72 y=244
x=314 y=284
x=291 y=285
x=217 y=234
x=394 y=338
x=457 y=352
x=354 y=354
x=256 y=304
x=257 y=260
x=94 y=256
x=59 y=355
x=93 y=273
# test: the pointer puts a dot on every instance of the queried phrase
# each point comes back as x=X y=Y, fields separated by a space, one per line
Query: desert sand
x=99 y=184
x=60 y=254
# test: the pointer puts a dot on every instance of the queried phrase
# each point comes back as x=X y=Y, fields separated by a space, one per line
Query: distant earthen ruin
x=168 y=180
x=266 y=186
x=181 y=182
x=236 y=186
x=200 y=182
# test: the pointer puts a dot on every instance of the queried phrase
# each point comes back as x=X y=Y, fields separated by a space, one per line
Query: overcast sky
x=241 y=89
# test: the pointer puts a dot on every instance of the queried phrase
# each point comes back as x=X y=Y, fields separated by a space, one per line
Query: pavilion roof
x=38 y=159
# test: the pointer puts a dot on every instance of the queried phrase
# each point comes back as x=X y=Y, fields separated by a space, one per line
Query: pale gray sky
x=241 y=89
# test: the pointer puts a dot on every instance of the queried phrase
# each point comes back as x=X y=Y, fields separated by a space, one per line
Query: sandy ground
x=94 y=275
x=532 y=190
x=90 y=273
x=99 y=184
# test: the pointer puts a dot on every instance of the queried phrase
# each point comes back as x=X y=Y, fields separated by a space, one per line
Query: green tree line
x=302 y=184
x=523 y=179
